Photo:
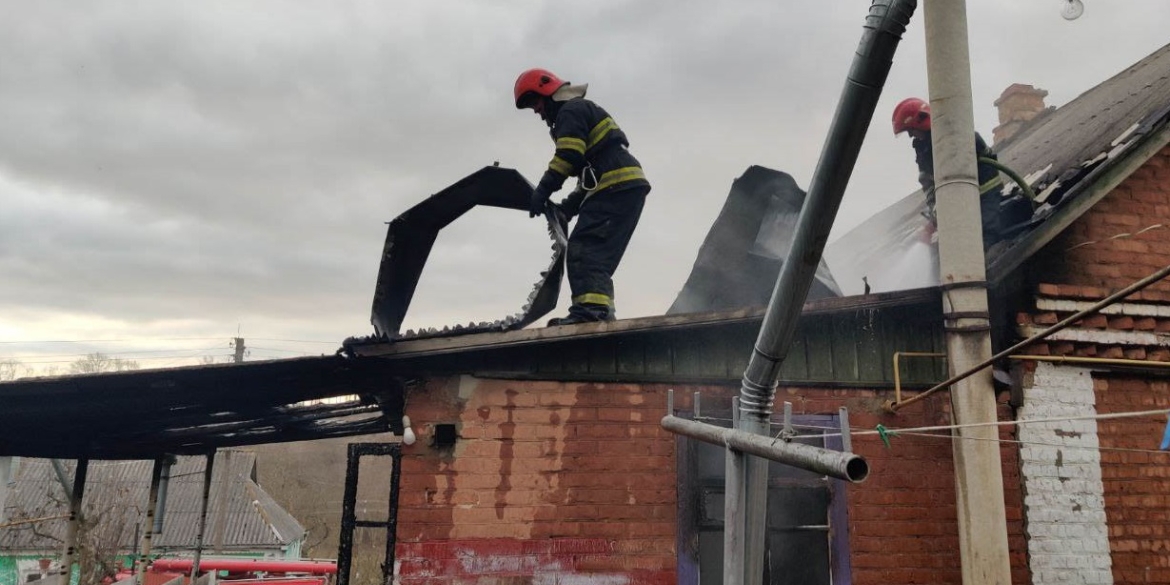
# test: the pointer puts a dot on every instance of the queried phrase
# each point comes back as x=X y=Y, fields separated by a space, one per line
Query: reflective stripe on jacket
x=589 y=141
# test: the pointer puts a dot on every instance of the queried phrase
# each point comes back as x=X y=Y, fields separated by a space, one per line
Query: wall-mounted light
x=408 y=437
x=1073 y=9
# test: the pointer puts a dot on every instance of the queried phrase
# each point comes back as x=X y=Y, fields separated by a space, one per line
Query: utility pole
x=239 y=357
x=983 y=540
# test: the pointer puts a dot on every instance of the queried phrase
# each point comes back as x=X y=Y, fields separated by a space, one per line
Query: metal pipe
x=163 y=484
x=247 y=566
x=1072 y=359
x=1062 y=324
x=207 y=471
x=732 y=502
x=898 y=370
x=883 y=30
x=838 y=464
x=76 y=496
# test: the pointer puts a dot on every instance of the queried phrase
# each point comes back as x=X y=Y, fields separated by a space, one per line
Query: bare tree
x=100 y=362
x=11 y=369
x=105 y=529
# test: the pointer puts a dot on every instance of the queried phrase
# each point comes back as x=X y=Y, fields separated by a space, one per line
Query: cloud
x=218 y=165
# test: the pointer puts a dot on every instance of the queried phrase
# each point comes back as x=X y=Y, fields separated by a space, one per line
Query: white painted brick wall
x=1064 y=501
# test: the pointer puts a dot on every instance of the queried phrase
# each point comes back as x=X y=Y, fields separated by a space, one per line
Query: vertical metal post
x=846 y=434
x=163 y=485
x=392 y=521
x=733 y=501
x=348 y=516
x=148 y=524
x=207 y=471
x=76 y=495
x=979 y=495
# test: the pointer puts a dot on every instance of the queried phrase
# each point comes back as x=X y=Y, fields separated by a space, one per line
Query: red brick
x=1049 y=290
x=1144 y=324
x=1123 y=323
x=1062 y=347
x=1097 y=321
x=1111 y=352
x=1137 y=353
x=1048 y=318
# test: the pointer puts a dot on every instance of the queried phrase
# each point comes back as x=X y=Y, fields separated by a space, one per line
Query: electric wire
x=1039 y=443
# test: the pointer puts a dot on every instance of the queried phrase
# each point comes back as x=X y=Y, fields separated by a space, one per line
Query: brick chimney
x=1017 y=105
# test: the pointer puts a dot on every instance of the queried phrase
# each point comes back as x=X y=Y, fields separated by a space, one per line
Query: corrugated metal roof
x=1061 y=153
x=118 y=491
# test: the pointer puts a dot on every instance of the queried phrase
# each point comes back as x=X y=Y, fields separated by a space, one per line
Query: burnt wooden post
x=349 y=519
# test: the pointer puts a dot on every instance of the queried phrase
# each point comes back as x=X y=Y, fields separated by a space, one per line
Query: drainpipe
x=979 y=496
x=884 y=26
x=164 y=484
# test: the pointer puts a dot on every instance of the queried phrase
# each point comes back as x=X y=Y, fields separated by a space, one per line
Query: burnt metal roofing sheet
x=117 y=492
x=146 y=413
x=411 y=235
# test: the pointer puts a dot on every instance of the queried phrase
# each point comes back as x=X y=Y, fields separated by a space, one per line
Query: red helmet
x=536 y=82
x=911 y=114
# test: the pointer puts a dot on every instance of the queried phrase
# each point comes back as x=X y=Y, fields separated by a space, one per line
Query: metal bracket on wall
x=349 y=519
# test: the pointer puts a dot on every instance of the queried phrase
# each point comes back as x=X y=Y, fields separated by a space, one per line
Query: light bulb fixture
x=1073 y=9
x=408 y=437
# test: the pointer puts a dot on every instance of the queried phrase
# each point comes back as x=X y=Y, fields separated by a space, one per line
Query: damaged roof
x=146 y=413
x=1071 y=156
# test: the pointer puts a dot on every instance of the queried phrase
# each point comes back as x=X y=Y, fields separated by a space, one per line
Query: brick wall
x=1088 y=253
x=1137 y=484
x=903 y=525
x=548 y=483
x=574 y=482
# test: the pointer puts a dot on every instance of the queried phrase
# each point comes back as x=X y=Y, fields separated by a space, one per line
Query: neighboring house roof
x=1072 y=157
x=118 y=491
x=196 y=409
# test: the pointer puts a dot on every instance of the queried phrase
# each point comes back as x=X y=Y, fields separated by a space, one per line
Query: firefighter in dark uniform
x=912 y=116
x=611 y=188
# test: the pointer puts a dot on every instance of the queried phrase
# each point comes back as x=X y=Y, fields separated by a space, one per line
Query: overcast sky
x=173 y=174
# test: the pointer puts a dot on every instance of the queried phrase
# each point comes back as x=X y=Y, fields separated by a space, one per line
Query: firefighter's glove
x=571 y=204
x=536 y=204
